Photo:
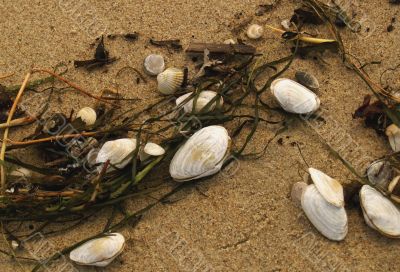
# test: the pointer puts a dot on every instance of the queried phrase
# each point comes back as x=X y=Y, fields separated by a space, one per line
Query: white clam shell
x=393 y=134
x=118 y=152
x=294 y=97
x=329 y=220
x=202 y=155
x=255 y=31
x=99 y=252
x=202 y=100
x=151 y=149
x=328 y=187
x=379 y=212
x=154 y=64
x=170 y=80
x=88 y=115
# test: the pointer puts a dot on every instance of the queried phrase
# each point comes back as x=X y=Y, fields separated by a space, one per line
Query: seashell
x=393 y=134
x=255 y=31
x=380 y=173
x=286 y=24
x=170 y=80
x=307 y=80
x=328 y=187
x=203 y=99
x=87 y=115
x=394 y=189
x=294 y=97
x=379 y=212
x=21 y=172
x=151 y=149
x=229 y=41
x=297 y=192
x=99 y=252
x=15 y=245
x=118 y=152
x=202 y=155
x=329 y=220
x=154 y=64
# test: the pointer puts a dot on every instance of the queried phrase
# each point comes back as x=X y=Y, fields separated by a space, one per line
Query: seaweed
x=101 y=58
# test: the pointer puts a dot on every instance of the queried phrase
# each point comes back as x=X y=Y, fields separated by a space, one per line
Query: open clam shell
x=393 y=134
x=380 y=173
x=202 y=155
x=329 y=220
x=197 y=104
x=154 y=64
x=294 y=97
x=99 y=252
x=118 y=152
x=379 y=212
x=151 y=149
x=328 y=187
x=87 y=115
x=170 y=80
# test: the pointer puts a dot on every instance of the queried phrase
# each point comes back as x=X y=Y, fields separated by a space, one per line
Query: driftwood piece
x=217 y=48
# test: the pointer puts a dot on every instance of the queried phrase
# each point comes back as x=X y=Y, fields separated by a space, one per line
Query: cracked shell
x=202 y=155
x=202 y=100
x=87 y=115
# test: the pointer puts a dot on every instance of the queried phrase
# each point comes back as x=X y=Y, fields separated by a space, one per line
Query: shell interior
x=99 y=252
x=328 y=187
x=380 y=212
x=294 y=97
x=202 y=155
x=329 y=220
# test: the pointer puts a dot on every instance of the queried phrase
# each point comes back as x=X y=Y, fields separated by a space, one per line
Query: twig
x=240 y=49
x=6 y=75
x=5 y=136
x=18 y=122
x=302 y=37
x=51 y=139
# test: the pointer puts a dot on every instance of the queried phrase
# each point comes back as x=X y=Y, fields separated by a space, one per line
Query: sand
x=243 y=221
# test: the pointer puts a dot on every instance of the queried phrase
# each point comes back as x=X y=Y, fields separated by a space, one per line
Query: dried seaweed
x=174 y=44
x=101 y=58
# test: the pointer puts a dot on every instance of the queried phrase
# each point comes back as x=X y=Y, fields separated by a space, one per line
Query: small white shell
x=202 y=155
x=170 y=80
x=297 y=191
x=393 y=134
x=255 y=31
x=379 y=212
x=99 y=252
x=286 y=24
x=328 y=187
x=151 y=149
x=88 y=115
x=229 y=41
x=294 y=97
x=329 y=220
x=118 y=152
x=203 y=99
x=154 y=64
x=380 y=173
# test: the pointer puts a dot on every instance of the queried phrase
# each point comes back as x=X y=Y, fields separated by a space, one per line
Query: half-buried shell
x=329 y=220
x=294 y=97
x=151 y=149
x=99 y=252
x=379 y=212
x=202 y=155
x=201 y=101
x=87 y=115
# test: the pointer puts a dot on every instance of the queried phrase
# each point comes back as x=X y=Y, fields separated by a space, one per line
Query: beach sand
x=239 y=222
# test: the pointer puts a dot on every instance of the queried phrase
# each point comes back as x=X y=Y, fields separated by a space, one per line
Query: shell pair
x=199 y=103
x=119 y=152
x=203 y=154
x=323 y=204
x=294 y=97
x=99 y=252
